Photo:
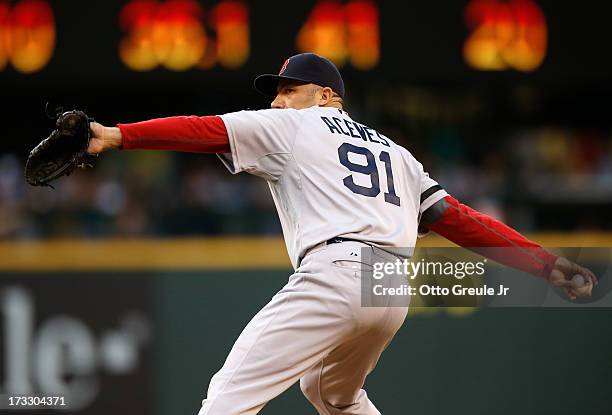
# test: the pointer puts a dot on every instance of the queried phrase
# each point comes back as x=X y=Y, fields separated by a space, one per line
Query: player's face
x=296 y=95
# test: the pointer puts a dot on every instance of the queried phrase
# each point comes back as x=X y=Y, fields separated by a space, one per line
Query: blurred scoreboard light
x=231 y=23
x=27 y=35
x=505 y=35
x=324 y=32
x=173 y=34
x=343 y=32
x=4 y=24
x=169 y=34
x=363 y=34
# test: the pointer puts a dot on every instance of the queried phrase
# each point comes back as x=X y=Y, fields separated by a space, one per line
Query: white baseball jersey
x=331 y=176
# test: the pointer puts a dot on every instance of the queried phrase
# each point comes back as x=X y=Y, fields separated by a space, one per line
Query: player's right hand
x=103 y=138
x=561 y=276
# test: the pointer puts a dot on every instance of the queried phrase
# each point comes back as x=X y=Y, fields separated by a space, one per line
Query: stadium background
x=128 y=283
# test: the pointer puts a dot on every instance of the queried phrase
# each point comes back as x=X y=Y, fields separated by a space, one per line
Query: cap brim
x=267 y=84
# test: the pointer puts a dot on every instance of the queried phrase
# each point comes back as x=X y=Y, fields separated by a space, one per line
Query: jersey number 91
x=371 y=169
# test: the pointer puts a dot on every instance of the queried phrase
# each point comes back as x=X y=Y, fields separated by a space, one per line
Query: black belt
x=339 y=239
x=334 y=240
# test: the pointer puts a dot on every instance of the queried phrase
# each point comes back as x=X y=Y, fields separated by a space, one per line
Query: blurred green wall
x=501 y=361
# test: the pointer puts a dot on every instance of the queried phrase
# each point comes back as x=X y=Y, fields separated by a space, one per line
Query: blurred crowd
x=133 y=194
x=545 y=178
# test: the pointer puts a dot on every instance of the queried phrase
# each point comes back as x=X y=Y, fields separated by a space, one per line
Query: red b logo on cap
x=283 y=67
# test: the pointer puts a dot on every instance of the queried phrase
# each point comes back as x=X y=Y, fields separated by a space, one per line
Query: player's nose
x=278 y=103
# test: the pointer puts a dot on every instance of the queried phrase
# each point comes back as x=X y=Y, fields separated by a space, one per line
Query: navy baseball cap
x=305 y=67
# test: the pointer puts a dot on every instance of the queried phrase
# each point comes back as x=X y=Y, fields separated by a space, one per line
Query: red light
x=172 y=34
x=505 y=35
x=231 y=12
x=169 y=34
x=27 y=35
x=364 y=37
x=4 y=19
x=324 y=32
x=340 y=32
x=231 y=22
x=137 y=13
x=180 y=11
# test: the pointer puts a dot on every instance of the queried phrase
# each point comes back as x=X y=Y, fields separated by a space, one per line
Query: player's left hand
x=103 y=138
x=562 y=274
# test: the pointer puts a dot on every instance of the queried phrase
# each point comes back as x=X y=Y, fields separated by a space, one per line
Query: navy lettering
x=383 y=141
x=370 y=135
x=351 y=130
x=354 y=130
x=331 y=125
x=361 y=131
x=337 y=121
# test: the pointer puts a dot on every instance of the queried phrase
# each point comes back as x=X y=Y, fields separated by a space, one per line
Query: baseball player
x=339 y=186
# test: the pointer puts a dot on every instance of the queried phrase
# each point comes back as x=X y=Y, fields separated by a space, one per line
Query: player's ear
x=326 y=95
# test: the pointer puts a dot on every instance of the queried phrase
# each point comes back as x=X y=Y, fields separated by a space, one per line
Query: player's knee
x=309 y=388
x=327 y=401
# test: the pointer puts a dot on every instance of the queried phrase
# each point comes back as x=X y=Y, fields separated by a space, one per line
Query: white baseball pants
x=313 y=330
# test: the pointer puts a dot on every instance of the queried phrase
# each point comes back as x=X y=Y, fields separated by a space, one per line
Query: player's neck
x=333 y=104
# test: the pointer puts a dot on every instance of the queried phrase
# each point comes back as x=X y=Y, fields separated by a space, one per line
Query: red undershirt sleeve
x=185 y=133
x=485 y=235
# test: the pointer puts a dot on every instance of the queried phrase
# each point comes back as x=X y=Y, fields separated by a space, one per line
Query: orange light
x=178 y=34
x=343 y=32
x=137 y=49
x=169 y=34
x=27 y=35
x=528 y=50
x=231 y=22
x=172 y=34
x=4 y=22
x=364 y=36
x=324 y=32
x=505 y=35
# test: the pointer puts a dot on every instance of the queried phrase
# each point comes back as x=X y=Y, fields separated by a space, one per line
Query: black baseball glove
x=62 y=152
